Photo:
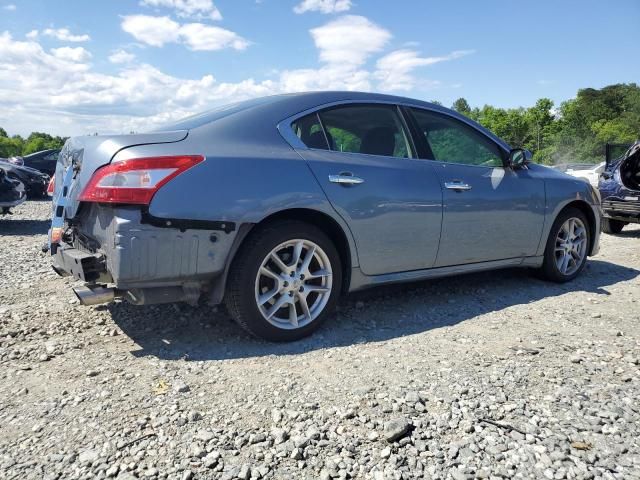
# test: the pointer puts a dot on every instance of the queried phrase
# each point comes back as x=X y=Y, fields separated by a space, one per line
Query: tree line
x=19 y=146
x=574 y=132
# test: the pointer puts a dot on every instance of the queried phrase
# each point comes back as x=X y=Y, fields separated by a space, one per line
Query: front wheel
x=567 y=247
x=285 y=280
x=612 y=226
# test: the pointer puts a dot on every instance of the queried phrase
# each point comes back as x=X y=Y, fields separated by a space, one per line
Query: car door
x=361 y=154
x=489 y=212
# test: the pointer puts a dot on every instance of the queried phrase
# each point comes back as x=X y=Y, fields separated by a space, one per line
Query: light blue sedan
x=278 y=205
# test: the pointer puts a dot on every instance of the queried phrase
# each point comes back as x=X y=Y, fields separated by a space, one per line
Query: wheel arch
x=338 y=234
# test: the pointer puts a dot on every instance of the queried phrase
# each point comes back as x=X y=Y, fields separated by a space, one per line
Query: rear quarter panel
x=244 y=179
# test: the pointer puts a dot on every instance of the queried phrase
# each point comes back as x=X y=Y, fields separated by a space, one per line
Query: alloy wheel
x=571 y=246
x=293 y=284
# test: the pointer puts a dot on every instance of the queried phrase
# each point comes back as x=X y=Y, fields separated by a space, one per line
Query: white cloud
x=154 y=31
x=199 y=9
x=121 y=56
x=344 y=45
x=56 y=93
x=324 y=6
x=32 y=34
x=157 y=31
x=60 y=92
x=394 y=70
x=64 y=35
x=349 y=40
x=10 y=7
x=198 y=36
x=77 y=54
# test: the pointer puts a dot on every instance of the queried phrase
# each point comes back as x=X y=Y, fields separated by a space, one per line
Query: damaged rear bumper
x=119 y=256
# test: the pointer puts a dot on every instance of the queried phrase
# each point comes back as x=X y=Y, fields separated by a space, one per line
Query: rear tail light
x=135 y=181
x=52 y=186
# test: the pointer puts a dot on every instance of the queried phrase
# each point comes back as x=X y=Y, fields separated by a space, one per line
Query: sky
x=73 y=67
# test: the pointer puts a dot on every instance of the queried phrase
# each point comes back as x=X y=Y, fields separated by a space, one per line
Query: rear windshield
x=195 y=121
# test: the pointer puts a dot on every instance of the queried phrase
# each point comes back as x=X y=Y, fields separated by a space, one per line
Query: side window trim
x=406 y=132
x=465 y=125
x=285 y=130
x=324 y=130
x=418 y=140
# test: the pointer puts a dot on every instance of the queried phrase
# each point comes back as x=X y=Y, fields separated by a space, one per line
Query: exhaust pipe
x=94 y=296
x=139 y=296
x=155 y=295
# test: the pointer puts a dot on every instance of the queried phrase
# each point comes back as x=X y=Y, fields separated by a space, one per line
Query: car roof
x=271 y=110
x=288 y=104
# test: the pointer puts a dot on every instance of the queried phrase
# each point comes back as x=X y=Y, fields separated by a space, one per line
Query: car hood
x=20 y=169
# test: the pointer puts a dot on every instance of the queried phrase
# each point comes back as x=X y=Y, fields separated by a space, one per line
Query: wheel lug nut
x=291 y=294
x=286 y=284
x=301 y=289
x=301 y=277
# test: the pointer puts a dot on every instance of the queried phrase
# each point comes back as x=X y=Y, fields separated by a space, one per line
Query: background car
x=35 y=182
x=277 y=205
x=620 y=190
x=590 y=174
x=12 y=192
x=44 y=161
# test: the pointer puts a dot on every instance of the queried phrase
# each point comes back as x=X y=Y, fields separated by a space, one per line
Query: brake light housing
x=135 y=181
x=52 y=186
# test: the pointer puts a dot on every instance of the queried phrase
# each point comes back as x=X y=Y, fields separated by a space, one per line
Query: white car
x=591 y=174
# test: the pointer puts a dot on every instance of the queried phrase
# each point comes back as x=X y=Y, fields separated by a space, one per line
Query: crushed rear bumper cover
x=112 y=247
x=88 y=267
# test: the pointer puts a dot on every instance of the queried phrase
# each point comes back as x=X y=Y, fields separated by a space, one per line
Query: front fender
x=560 y=193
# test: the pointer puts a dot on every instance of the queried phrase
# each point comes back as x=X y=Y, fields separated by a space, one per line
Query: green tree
x=36 y=141
x=462 y=106
x=11 y=146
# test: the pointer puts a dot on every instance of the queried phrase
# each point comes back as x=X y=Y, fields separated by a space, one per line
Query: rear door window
x=366 y=129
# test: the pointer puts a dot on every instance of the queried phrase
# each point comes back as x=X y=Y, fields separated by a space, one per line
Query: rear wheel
x=284 y=282
x=567 y=246
x=612 y=226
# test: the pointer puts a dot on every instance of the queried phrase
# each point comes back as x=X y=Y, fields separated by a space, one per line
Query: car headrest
x=379 y=141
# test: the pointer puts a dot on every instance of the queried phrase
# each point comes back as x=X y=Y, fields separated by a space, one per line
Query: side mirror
x=518 y=158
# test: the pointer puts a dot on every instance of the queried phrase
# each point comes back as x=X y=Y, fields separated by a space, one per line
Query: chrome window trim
x=285 y=130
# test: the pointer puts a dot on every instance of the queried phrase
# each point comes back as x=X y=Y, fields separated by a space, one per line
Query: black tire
x=240 y=296
x=549 y=270
x=611 y=226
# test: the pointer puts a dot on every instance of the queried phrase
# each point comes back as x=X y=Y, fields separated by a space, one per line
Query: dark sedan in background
x=35 y=182
x=12 y=192
x=44 y=161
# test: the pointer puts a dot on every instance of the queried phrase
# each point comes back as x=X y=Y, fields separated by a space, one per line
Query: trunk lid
x=84 y=155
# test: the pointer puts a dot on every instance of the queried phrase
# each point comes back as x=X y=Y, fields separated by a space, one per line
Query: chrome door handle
x=457 y=185
x=345 y=179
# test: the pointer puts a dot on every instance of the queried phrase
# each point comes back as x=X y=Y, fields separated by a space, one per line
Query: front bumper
x=620 y=209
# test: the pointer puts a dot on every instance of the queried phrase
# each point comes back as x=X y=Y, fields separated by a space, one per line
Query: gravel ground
x=483 y=376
